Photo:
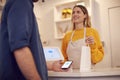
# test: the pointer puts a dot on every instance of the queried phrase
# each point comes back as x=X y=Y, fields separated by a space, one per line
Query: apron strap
x=72 y=35
x=84 y=34
x=84 y=37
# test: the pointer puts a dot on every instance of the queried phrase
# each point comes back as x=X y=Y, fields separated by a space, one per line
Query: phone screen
x=66 y=64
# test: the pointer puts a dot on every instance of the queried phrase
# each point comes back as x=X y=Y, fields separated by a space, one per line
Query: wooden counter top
x=92 y=73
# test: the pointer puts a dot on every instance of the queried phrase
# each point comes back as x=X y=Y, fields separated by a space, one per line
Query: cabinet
x=62 y=16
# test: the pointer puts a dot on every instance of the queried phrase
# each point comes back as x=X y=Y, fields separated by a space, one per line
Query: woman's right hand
x=89 y=40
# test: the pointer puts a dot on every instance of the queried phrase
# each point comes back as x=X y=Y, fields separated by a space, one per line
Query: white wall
x=45 y=15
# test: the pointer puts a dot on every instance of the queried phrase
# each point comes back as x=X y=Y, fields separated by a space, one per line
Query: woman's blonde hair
x=87 y=22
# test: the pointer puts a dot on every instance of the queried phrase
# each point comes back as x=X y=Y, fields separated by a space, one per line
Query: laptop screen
x=53 y=53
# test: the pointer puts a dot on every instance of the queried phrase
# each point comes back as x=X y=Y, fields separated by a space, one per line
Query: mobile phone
x=66 y=64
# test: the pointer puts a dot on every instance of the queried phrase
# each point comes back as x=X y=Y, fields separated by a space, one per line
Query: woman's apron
x=74 y=50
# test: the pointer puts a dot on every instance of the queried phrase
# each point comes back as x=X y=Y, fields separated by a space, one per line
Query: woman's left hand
x=90 y=40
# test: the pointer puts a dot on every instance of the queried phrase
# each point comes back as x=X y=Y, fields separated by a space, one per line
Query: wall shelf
x=62 y=24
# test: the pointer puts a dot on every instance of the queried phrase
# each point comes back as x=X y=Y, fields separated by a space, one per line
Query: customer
x=81 y=29
x=21 y=52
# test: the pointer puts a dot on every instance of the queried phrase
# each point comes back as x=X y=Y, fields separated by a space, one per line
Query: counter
x=94 y=74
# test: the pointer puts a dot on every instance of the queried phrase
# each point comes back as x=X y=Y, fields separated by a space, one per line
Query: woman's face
x=77 y=15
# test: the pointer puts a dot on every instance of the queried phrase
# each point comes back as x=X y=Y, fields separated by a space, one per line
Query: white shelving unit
x=62 y=25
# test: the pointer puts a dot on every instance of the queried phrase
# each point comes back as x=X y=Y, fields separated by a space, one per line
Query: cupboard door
x=114 y=20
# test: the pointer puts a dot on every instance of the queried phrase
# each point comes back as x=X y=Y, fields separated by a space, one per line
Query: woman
x=82 y=34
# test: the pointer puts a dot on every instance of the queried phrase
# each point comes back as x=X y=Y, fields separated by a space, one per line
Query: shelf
x=63 y=20
x=62 y=23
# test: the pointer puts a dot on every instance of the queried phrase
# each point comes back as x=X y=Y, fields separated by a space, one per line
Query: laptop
x=53 y=53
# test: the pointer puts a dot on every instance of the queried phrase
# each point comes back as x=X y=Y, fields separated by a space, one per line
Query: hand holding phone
x=66 y=65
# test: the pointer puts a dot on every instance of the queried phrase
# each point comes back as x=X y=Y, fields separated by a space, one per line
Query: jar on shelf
x=64 y=15
x=68 y=12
